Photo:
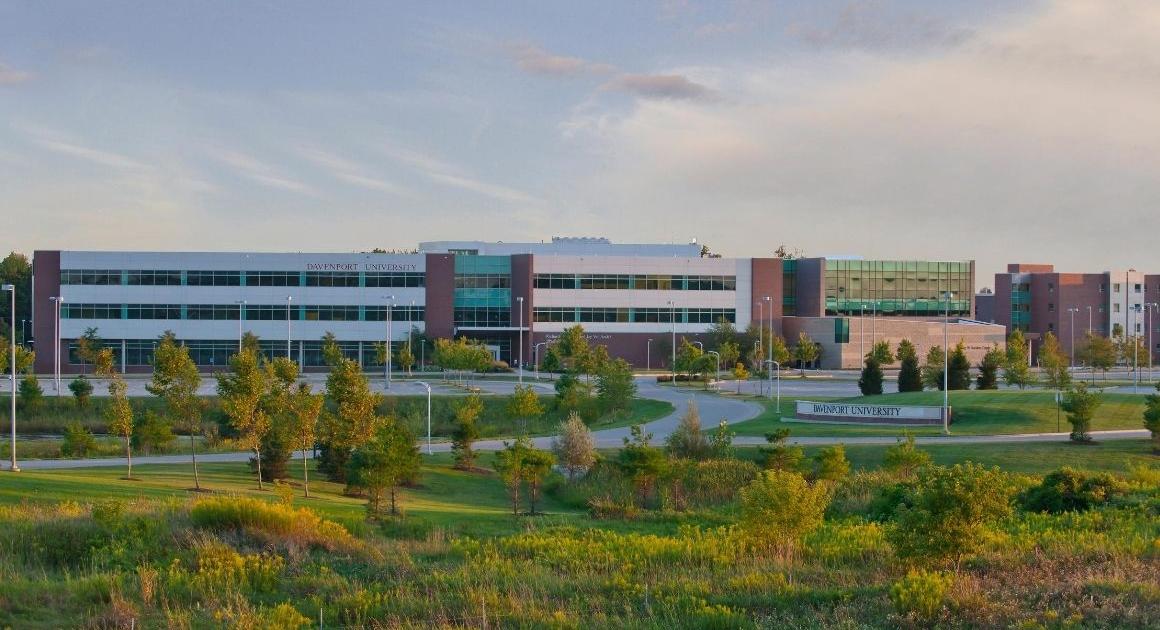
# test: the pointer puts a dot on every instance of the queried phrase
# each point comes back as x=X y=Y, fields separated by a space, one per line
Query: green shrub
x=779 y=508
x=830 y=464
x=921 y=593
x=78 y=440
x=82 y=391
x=301 y=525
x=1069 y=490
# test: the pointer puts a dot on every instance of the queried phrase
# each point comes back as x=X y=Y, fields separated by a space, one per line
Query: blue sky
x=1002 y=131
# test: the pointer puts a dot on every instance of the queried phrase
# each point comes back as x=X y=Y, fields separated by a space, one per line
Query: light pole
x=241 y=313
x=776 y=366
x=862 y=329
x=946 y=363
x=673 y=319
x=24 y=331
x=57 y=301
x=1136 y=309
x=288 y=300
x=12 y=366
x=411 y=337
x=770 y=300
x=428 y=414
x=1151 y=305
x=648 y=355
x=699 y=345
x=387 y=348
x=520 y=373
x=1071 y=330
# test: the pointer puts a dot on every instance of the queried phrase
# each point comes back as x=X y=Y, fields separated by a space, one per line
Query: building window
x=271 y=312
x=213 y=278
x=90 y=311
x=1051 y=307
x=1050 y=327
x=273 y=279
x=398 y=313
x=1139 y=288
x=90 y=276
x=396 y=280
x=1116 y=307
x=332 y=278
x=153 y=311
x=146 y=277
x=482 y=281
x=1051 y=287
x=212 y=311
x=483 y=316
x=330 y=313
x=1116 y=287
x=554 y=281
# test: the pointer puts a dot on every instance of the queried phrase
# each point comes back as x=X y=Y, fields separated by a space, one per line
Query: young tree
x=687 y=441
x=82 y=391
x=151 y=431
x=805 y=352
x=466 y=431
x=882 y=354
x=524 y=405
x=551 y=361
x=1017 y=370
x=574 y=446
x=779 y=508
x=78 y=441
x=778 y=350
x=302 y=411
x=351 y=420
x=780 y=455
x=119 y=413
x=932 y=368
x=721 y=441
x=29 y=394
x=740 y=374
x=1098 y=353
x=870 y=383
x=687 y=356
x=720 y=333
x=405 y=358
x=909 y=374
x=176 y=381
x=509 y=463
x=572 y=346
x=242 y=391
x=959 y=375
x=904 y=457
x=730 y=352
x=989 y=368
x=1054 y=363
x=88 y=345
x=641 y=462
x=382 y=464
x=830 y=464
x=615 y=386
x=1152 y=418
x=535 y=467
x=1080 y=405
x=948 y=513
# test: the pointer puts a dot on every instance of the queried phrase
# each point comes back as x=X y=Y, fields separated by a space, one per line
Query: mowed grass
x=459 y=502
x=992 y=412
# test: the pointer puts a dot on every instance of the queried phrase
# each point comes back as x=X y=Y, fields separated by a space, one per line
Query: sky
x=1000 y=131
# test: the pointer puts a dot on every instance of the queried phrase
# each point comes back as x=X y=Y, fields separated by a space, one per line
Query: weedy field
x=731 y=539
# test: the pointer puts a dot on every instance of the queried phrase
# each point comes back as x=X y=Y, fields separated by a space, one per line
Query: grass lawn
x=452 y=500
x=974 y=412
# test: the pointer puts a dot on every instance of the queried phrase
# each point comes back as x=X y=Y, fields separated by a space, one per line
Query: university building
x=633 y=298
x=1037 y=299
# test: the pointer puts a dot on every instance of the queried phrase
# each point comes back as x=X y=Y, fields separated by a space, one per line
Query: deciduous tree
x=779 y=508
x=242 y=390
x=615 y=386
x=524 y=405
x=574 y=446
x=119 y=413
x=466 y=431
x=176 y=381
x=382 y=464
x=805 y=352
x=1017 y=370
x=302 y=413
x=687 y=441
x=1054 y=363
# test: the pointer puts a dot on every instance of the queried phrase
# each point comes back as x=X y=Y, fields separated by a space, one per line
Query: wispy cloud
x=660 y=86
x=873 y=25
x=442 y=172
x=257 y=171
x=12 y=76
x=61 y=143
x=348 y=171
x=535 y=60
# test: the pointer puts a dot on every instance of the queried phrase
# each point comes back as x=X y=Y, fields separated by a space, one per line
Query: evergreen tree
x=959 y=376
x=82 y=391
x=882 y=354
x=780 y=455
x=1080 y=405
x=870 y=384
x=1152 y=418
x=909 y=374
x=382 y=464
x=615 y=386
x=932 y=368
x=466 y=431
x=1017 y=370
x=989 y=368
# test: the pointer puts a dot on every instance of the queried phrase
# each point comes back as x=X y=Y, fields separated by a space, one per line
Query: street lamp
x=775 y=365
x=24 y=331
x=241 y=313
x=673 y=320
x=12 y=366
x=288 y=300
x=387 y=358
x=648 y=355
x=57 y=301
x=699 y=345
x=1071 y=330
x=428 y=414
x=1135 y=310
x=770 y=300
x=1151 y=306
x=946 y=363
x=520 y=372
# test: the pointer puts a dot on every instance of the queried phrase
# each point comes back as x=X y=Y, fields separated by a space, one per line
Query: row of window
x=634 y=315
x=211 y=352
x=634 y=281
x=483 y=281
x=483 y=316
x=352 y=279
x=249 y=312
